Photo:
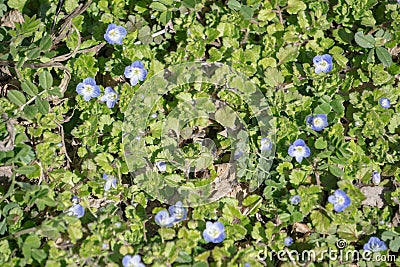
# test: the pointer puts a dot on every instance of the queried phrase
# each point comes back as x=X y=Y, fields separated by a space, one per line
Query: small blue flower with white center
x=374 y=244
x=88 y=89
x=77 y=210
x=339 y=200
x=135 y=261
x=323 y=63
x=288 y=241
x=110 y=97
x=161 y=166
x=178 y=211
x=318 y=122
x=163 y=219
x=110 y=181
x=266 y=144
x=214 y=232
x=299 y=150
x=384 y=102
x=114 y=34
x=295 y=199
x=136 y=72
x=376 y=178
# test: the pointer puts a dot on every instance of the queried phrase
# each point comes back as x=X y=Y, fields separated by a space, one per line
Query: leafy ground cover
x=118 y=149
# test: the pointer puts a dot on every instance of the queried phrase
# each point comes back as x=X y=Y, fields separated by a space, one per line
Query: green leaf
x=33 y=54
x=249 y=200
x=294 y=6
x=29 y=87
x=335 y=170
x=247 y=12
x=226 y=117
x=394 y=245
x=27 y=169
x=17 y=4
x=30 y=112
x=320 y=143
x=42 y=106
x=287 y=54
x=45 y=80
x=384 y=56
x=16 y=97
x=320 y=221
x=273 y=77
x=365 y=41
x=235 y=5
x=158 y=6
x=31 y=242
x=45 y=43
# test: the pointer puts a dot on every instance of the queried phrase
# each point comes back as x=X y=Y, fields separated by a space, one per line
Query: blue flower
x=214 y=232
x=238 y=154
x=114 y=34
x=374 y=244
x=288 y=241
x=323 y=63
x=110 y=96
x=163 y=219
x=161 y=166
x=179 y=212
x=266 y=144
x=136 y=72
x=88 y=89
x=76 y=210
x=384 y=102
x=376 y=178
x=398 y=1
x=135 y=261
x=299 y=150
x=318 y=122
x=339 y=200
x=248 y=264
x=295 y=199
x=110 y=181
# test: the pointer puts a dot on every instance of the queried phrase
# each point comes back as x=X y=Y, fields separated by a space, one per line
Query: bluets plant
x=214 y=232
x=288 y=241
x=318 y=122
x=135 y=72
x=323 y=63
x=266 y=144
x=299 y=150
x=161 y=166
x=77 y=210
x=295 y=199
x=88 y=89
x=339 y=200
x=376 y=178
x=111 y=181
x=163 y=219
x=115 y=34
x=132 y=261
x=178 y=211
x=384 y=102
x=374 y=244
x=110 y=97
